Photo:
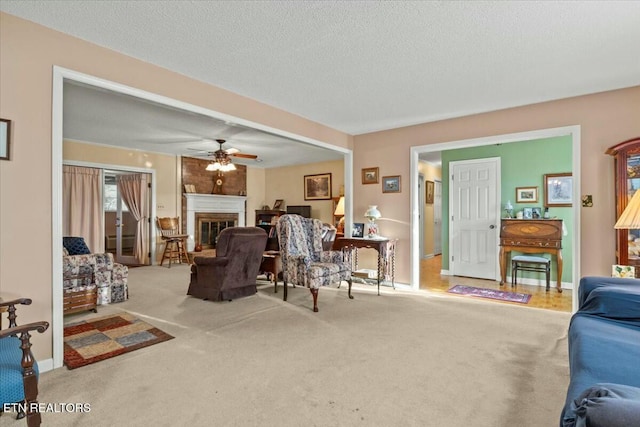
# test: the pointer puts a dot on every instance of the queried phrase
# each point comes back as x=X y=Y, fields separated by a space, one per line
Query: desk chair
x=530 y=263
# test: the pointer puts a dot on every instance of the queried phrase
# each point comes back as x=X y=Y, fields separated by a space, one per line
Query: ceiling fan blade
x=245 y=156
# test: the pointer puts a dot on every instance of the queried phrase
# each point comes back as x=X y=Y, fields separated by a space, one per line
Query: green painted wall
x=523 y=164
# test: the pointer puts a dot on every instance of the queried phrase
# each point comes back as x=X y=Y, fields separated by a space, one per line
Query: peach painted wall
x=28 y=53
x=605 y=118
x=287 y=183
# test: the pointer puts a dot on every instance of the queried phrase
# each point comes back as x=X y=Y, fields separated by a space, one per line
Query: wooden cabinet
x=266 y=219
x=626 y=157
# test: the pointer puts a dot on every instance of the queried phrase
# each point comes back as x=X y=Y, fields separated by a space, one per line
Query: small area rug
x=490 y=293
x=91 y=341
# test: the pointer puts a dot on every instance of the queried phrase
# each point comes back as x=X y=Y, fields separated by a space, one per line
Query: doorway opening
x=573 y=132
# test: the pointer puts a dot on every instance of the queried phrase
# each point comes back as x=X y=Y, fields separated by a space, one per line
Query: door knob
x=492 y=226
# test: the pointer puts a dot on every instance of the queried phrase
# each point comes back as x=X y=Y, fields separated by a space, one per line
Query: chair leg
x=548 y=277
x=514 y=274
x=183 y=246
x=314 y=293
x=164 y=253
x=350 y=281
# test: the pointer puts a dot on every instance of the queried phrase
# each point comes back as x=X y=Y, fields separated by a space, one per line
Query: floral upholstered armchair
x=304 y=262
x=88 y=277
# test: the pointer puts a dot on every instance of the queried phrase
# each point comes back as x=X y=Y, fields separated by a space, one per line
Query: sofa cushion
x=75 y=245
x=622 y=303
x=607 y=405
x=600 y=349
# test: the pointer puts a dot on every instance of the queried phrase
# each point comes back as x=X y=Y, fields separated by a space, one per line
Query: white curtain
x=82 y=205
x=134 y=190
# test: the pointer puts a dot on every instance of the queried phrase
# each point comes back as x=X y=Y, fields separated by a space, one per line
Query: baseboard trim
x=45 y=365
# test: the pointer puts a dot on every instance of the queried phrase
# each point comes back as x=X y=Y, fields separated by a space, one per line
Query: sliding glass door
x=121 y=224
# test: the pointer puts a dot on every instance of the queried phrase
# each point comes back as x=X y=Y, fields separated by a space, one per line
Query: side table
x=386 y=254
x=272 y=265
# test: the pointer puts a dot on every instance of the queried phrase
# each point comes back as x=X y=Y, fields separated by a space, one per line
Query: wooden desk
x=386 y=254
x=531 y=236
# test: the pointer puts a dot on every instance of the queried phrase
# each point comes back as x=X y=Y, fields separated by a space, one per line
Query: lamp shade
x=340 y=207
x=372 y=213
x=630 y=218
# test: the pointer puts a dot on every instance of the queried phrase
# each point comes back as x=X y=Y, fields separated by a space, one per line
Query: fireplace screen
x=209 y=226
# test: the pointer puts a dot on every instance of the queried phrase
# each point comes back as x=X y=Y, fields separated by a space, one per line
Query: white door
x=474 y=217
x=437 y=218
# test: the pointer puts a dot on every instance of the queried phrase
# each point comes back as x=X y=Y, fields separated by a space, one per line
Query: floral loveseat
x=91 y=277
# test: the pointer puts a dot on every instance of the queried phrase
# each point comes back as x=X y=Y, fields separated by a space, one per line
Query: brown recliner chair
x=233 y=271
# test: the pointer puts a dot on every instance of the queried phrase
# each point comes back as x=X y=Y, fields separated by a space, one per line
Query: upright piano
x=531 y=236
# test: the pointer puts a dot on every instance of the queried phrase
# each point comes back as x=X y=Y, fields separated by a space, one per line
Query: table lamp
x=508 y=207
x=372 y=214
x=340 y=212
x=630 y=218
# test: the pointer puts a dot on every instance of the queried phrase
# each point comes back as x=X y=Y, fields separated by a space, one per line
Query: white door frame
x=573 y=131
x=420 y=190
x=61 y=74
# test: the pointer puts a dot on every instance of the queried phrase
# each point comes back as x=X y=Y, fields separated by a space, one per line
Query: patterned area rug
x=490 y=293
x=98 y=339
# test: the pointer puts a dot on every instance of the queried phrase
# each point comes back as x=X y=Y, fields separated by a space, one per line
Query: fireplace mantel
x=212 y=203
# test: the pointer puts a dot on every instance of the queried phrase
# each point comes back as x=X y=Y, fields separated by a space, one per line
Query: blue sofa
x=604 y=355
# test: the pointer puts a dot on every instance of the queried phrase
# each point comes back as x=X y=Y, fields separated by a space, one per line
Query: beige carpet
x=402 y=358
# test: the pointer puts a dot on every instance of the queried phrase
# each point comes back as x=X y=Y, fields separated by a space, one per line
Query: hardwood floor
x=432 y=280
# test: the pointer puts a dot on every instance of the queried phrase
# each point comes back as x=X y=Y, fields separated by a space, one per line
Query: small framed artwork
x=278 y=204
x=358 y=230
x=5 y=139
x=429 y=193
x=558 y=189
x=370 y=175
x=391 y=184
x=527 y=213
x=536 y=213
x=317 y=187
x=526 y=194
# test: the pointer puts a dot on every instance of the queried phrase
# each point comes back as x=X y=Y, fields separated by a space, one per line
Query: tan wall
x=287 y=183
x=430 y=173
x=605 y=119
x=28 y=53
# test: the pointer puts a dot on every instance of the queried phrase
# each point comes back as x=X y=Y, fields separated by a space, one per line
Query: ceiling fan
x=222 y=158
x=229 y=152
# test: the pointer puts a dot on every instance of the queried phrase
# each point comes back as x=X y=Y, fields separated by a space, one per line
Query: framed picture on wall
x=5 y=139
x=429 y=192
x=370 y=175
x=558 y=189
x=526 y=194
x=391 y=184
x=317 y=187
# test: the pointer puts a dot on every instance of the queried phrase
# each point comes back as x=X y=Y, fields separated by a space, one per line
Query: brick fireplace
x=208 y=214
x=209 y=225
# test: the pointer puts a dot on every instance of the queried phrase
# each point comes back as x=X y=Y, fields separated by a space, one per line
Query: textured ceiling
x=365 y=66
